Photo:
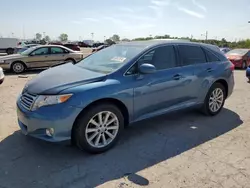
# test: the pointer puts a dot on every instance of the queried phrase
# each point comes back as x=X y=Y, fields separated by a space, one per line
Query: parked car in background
x=1 y=76
x=84 y=45
x=225 y=50
x=96 y=45
x=22 y=48
x=92 y=101
x=38 y=57
x=72 y=46
x=8 y=45
x=239 y=57
x=248 y=73
x=99 y=48
x=55 y=43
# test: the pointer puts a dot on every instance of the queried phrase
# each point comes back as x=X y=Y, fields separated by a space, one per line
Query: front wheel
x=18 y=67
x=99 y=128
x=215 y=100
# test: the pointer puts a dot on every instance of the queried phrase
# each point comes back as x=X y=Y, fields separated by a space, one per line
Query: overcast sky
x=128 y=18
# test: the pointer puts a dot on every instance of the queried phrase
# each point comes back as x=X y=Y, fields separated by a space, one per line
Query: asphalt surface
x=184 y=149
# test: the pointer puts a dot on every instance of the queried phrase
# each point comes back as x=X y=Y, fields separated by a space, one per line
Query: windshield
x=110 y=59
x=28 y=51
x=238 y=52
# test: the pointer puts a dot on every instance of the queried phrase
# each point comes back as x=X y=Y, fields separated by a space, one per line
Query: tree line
x=116 y=38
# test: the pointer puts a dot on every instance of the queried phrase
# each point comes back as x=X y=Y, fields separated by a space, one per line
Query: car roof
x=152 y=43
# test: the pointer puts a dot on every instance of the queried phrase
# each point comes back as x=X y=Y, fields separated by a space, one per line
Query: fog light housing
x=50 y=132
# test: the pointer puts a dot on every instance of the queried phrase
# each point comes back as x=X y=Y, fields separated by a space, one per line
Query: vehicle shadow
x=26 y=73
x=27 y=162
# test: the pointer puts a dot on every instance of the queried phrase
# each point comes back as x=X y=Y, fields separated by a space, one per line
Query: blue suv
x=91 y=102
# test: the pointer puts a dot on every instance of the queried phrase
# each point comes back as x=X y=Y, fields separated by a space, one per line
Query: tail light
x=232 y=67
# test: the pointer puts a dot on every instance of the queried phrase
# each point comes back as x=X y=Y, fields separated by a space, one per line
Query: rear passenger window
x=211 y=57
x=192 y=55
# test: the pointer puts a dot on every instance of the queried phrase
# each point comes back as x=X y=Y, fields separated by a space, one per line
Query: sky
x=127 y=18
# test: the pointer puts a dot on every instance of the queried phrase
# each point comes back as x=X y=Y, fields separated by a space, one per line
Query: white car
x=1 y=75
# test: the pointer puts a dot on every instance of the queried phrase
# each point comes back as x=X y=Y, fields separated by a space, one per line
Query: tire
x=88 y=141
x=244 y=65
x=70 y=61
x=10 y=51
x=208 y=109
x=18 y=67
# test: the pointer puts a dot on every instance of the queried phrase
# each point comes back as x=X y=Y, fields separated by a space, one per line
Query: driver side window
x=162 y=58
x=41 y=51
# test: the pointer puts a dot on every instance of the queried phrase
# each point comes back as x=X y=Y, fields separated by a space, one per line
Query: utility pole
x=206 y=35
x=92 y=35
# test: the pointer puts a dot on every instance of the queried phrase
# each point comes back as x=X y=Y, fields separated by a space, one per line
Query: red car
x=239 y=57
x=72 y=47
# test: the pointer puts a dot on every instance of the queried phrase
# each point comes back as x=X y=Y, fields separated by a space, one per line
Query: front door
x=39 y=58
x=157 y=93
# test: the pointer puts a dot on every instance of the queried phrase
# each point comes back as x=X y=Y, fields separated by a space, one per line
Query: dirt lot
x=179 y=150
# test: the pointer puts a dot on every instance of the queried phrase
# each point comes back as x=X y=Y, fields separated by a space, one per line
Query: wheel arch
x=224 y=83
x=70 y=58
x=18 y=61
x=119 y=104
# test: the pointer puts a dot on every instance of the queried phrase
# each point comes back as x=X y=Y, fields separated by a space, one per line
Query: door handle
x=210 y=70
x=177 y=77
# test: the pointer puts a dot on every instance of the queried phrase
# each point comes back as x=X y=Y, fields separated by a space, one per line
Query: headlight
x=2 y=61
x=45 y=100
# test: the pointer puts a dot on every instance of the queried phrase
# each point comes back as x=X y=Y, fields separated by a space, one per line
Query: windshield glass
x=111 y=58
x=238 y=52
x=28 y=51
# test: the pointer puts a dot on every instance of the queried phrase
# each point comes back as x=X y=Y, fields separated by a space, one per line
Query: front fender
x=86 y=94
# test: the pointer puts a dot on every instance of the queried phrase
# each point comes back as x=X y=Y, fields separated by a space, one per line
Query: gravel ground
x=184 y=149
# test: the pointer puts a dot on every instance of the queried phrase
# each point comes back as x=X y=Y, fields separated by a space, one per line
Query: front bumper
x=5 y=66
x=59 y=117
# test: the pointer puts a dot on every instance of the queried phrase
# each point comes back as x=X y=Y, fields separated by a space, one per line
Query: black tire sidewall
x=81 y=124
x=206 y=108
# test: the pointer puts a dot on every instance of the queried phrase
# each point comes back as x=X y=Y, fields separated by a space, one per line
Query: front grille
x=27 y=100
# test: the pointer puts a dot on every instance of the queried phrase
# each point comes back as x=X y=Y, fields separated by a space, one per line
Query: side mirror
x=147 y=68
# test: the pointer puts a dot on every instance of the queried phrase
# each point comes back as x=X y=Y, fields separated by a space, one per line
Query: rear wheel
x=10 y=51
x=70 y=61
x=215 y=100
x=99 y=128
x=18 y=67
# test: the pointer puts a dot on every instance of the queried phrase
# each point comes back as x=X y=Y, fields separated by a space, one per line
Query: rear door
x=39 y=58
x=58 y=55
x=206 y=71
x=194 y=70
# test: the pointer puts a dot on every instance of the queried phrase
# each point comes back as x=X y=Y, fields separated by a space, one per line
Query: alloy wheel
x=102 y=129
x=216 y=100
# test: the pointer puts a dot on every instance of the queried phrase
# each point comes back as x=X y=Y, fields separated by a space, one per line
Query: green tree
x=38 y=36
x=63 y=37
x=109 y=42
x=115 y=38
x=47 y=38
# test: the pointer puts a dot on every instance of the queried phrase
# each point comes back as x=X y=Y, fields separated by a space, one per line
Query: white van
x=8 y=45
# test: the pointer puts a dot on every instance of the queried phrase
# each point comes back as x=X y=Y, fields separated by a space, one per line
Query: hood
x=233 y=57
x=54 y=80
x=10 y=57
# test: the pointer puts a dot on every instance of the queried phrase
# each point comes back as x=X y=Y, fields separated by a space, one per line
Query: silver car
x=38 y=57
